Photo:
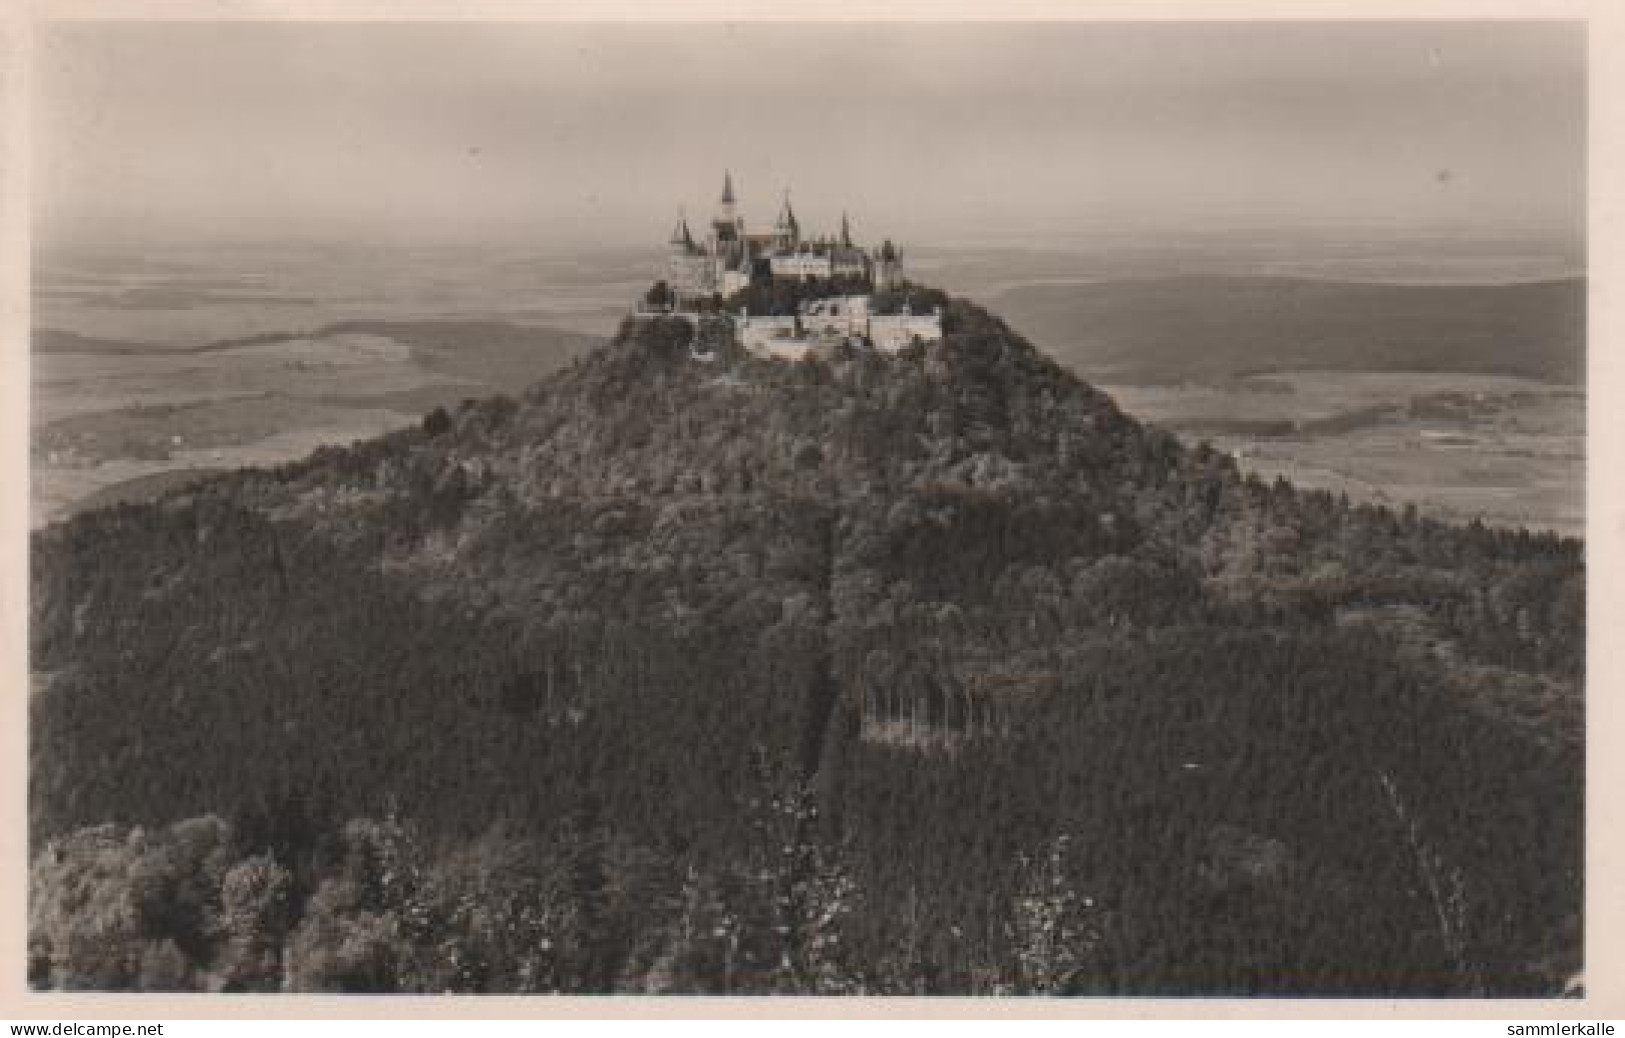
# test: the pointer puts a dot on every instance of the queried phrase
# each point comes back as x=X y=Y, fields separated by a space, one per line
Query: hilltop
x=929 y=671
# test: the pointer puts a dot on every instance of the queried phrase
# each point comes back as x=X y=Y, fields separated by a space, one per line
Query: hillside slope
x=925 y=673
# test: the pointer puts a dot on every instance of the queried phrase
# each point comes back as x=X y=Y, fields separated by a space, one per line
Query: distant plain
x=1443 y=372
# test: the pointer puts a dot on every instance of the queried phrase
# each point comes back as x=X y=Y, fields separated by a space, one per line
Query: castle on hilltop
x=842 y=277
x=730 y=257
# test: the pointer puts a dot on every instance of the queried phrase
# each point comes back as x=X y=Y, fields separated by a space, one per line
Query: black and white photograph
x=1033 y=509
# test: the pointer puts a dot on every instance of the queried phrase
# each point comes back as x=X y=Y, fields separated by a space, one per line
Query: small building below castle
x=824 y=322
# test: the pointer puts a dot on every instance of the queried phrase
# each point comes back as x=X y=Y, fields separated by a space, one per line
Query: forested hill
x=924 y=673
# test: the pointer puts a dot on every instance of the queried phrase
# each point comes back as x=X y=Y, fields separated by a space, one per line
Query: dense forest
x=930 y=673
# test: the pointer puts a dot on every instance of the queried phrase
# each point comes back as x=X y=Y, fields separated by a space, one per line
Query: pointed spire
x=727 y=213
x=680 y=234
x=787 y=215
x=846 y=230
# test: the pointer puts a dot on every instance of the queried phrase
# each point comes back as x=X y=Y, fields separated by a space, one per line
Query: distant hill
x=53 y=340
x=143 y=488
x=931 y=672
x=1160 y=330
x=499 y=354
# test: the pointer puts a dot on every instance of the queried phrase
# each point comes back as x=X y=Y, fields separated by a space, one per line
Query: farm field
x=184 y=297
x=101 y=421
x=149 y=372
x=149 y=366
x=1505 y=450
x=1443 y=372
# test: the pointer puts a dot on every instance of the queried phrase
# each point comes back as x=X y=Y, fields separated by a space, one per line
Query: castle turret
x=727 y=212
x=681 y=239
x=889 y=268
x=688 y=266
x=787 y=231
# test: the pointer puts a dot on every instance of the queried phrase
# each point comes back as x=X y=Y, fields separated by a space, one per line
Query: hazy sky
x=553 y=133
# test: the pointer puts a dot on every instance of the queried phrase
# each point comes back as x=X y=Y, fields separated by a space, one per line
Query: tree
x=114 y=909
x=1053 y=931
x=256 y=909
x=437 y=422
x=660 y=294
x=1444 y=889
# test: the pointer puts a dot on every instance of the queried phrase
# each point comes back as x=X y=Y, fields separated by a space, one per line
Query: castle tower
x=787 y=231
x=846 y=231
x=682 y=241
x=727 y=233
x=686 y=265
x=889 y=271
x=727 y=211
